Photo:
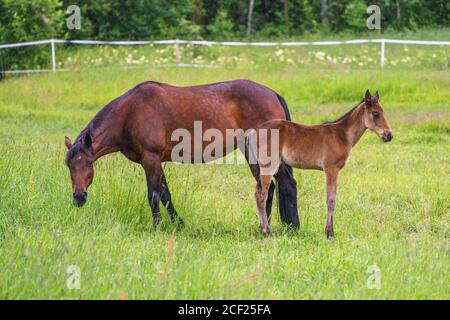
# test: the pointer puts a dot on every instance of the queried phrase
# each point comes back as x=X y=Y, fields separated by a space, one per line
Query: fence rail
x=178 y=42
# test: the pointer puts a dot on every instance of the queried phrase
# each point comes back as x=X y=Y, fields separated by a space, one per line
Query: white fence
x=177 y=42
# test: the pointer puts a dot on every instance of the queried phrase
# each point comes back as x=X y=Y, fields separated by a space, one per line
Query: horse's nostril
x=84 y=193
x=388 y=137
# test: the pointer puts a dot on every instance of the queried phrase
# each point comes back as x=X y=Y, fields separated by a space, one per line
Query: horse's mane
x=78 y=145
x=345 y=115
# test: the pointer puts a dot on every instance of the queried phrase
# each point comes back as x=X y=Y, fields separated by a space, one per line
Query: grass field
x=392 y=207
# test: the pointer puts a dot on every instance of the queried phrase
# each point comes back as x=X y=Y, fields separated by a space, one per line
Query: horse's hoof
x=156 y=223
x=330 y=234
x=180 y=223
x=266 y=233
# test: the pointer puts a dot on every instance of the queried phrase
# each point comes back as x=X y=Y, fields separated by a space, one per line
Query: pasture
x=392 y=204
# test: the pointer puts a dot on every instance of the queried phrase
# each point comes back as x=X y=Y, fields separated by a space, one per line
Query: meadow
x=392 y=206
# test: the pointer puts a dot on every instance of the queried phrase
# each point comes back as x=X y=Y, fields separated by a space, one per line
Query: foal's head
x=374 y=117
x=80 y=160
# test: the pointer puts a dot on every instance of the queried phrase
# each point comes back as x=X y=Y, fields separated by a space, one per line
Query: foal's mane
x=345 y=115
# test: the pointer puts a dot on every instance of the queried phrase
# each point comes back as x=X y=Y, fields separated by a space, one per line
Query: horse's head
x=80 y=160
x=374 y=117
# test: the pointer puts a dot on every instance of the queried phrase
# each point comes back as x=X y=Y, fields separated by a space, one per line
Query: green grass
x=392 y=207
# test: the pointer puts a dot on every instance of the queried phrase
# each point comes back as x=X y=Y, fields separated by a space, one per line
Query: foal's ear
x=67 y=142
x=368 y=98
x=87 y=140
x=376 y=96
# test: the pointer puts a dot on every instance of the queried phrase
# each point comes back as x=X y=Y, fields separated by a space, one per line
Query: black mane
x=345 y=115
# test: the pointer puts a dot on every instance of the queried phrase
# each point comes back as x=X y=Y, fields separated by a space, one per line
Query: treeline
x=23 y=20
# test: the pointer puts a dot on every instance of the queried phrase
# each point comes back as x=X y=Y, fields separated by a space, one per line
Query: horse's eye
x=375 y=114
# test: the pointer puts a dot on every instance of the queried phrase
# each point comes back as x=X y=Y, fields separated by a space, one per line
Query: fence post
x=53 y=56
x=382 y=53
x=177 y=52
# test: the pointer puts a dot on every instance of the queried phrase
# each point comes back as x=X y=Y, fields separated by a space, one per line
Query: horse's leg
x=261 y=192
x=153 y=171
x=332 y=176
x=166 y=200
x=287 y=195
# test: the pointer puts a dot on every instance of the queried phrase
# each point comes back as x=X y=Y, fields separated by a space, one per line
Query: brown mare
x=139 y=124
x=323 y=147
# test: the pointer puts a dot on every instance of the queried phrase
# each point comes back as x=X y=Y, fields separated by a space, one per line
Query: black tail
x=285 y=106
x=287 y=186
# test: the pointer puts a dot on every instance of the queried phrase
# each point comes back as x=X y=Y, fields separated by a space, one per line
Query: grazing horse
x=140 y=124
x=322 y=147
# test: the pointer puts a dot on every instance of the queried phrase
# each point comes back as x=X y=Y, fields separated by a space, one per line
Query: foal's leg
x=153 y=171
x=254 y=168
x=261 y=192
x=166 y=200
x=332 y=176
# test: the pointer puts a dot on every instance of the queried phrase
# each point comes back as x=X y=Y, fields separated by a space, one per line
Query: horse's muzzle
x=387 y=136
x=79 y=198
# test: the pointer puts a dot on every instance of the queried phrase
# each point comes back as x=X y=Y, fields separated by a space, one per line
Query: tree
x=249 y=18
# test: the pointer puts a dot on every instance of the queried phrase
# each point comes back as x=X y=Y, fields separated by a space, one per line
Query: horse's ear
x=368 y=98
x=67 y=142
x=87 y=140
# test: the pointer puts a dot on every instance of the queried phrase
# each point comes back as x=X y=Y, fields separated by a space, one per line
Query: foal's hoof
x=266 y=233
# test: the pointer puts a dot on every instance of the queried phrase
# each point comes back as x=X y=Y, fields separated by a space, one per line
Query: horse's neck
x=353 y=125
x=106 y=139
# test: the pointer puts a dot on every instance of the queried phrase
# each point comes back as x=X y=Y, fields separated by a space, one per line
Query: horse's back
x=157 y=110
x=241 y=103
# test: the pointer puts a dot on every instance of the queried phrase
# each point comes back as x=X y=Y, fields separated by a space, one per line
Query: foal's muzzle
x=79 y=198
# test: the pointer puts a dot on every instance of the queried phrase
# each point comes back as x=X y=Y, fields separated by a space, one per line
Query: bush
x=222 y=26
x=22 y=21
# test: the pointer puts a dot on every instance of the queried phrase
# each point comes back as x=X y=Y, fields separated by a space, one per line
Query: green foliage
x=144 y=19
x=221 y=27
x=355 y=15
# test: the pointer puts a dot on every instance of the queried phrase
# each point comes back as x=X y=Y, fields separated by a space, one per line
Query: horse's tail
x=287 y=186
x=285 y=106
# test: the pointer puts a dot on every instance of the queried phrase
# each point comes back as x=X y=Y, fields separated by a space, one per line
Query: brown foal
x=322 y=147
